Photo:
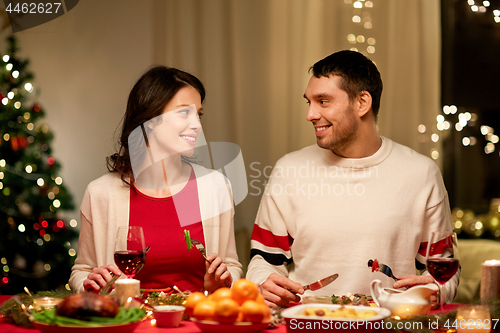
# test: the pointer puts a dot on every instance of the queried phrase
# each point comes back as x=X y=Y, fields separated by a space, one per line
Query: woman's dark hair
x=358 y=74
x=146 y=101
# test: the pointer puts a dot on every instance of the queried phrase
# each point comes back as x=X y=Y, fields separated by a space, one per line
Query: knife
x=321 y=283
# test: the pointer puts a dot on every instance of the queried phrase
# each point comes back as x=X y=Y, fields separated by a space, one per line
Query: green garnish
x=125 y=316
x=187 y=237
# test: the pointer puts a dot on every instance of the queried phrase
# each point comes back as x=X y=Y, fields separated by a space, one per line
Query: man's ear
x=364 y=100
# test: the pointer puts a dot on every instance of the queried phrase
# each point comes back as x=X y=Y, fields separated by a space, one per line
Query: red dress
x=164 y=220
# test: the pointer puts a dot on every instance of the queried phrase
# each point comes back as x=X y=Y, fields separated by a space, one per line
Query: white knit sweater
x=106 y=206
x=323 y=214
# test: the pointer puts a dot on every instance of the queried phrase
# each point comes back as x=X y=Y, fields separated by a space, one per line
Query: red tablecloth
x=146 y=327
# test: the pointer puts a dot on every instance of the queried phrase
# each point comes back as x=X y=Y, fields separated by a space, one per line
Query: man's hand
x=278 y=290
x=414 y=280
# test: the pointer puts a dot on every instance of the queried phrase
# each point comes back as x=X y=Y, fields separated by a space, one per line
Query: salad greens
x=125 y=316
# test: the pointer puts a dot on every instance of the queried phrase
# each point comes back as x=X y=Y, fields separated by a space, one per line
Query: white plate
x=296 y=321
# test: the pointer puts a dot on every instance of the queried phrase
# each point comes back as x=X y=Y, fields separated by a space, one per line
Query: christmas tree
x=35 y=244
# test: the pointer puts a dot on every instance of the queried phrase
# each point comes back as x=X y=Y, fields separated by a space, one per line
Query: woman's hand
x=217 y=275
x=99 y=277
x=414 y=280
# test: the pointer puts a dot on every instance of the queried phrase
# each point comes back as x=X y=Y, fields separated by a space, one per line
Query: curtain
x=254 y=56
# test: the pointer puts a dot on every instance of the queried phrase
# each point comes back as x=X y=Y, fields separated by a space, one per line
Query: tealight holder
x=45 y=302
x=473 y=318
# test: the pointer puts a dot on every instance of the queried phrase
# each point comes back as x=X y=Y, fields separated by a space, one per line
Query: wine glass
x=442 y=258
x=130 y=252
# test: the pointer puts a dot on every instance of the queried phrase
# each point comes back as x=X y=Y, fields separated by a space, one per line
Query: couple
x=298 y=237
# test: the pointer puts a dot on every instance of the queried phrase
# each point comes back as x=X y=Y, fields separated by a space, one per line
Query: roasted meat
x=84 y=305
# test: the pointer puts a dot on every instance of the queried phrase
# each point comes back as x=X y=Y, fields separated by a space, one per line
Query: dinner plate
x=208 y=326
x=109 y=328
x=297 y=321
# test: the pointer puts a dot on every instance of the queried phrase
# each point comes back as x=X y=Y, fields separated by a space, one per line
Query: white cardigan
x=106 y=206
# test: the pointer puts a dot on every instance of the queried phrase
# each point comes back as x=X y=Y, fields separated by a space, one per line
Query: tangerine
x=253 y=311
x=227 y=310
x=205 y=310
x=240 y=317
x=191 y=302
x=267 y=312
x=260 y=299
x=221 y=293
x=244 y=290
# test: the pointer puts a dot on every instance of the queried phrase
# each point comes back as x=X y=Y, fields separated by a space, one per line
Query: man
x=355 y=196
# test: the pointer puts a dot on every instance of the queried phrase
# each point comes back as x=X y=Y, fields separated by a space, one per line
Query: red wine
x=130 y=262
x=442 y=269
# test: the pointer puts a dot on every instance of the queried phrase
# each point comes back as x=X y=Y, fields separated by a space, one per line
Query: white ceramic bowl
x=168 y=315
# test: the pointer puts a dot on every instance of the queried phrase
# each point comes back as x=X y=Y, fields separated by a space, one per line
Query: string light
x=367 y=24
x=483 y=9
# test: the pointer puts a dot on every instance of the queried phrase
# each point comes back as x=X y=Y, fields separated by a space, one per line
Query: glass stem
x=440 y=291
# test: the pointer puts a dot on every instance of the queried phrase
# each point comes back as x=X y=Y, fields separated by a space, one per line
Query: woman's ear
x=150 y=124
x=364 y=103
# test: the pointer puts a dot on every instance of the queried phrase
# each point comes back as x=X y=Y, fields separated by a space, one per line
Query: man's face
x=331 y=113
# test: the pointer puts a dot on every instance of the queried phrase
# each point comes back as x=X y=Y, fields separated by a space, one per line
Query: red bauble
x=18 y=142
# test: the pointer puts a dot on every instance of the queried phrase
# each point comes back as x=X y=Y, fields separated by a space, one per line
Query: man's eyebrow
x=320 y=95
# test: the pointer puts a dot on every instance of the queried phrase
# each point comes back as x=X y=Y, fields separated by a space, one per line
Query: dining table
x=149 y=326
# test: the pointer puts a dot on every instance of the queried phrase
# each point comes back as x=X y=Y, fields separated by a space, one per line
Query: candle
x=127 y=288
x=46 y=302
x=474 y=318
x=490 y=280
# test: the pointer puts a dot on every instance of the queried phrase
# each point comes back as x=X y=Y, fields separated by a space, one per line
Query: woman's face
x=176 y=130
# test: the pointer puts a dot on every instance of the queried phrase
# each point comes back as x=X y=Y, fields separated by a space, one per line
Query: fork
x=200 y=247
x=384 y=269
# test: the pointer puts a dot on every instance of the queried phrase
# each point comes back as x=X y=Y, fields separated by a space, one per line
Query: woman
x=153 y=185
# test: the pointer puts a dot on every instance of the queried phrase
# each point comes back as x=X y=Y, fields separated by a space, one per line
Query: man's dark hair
x=358 y=74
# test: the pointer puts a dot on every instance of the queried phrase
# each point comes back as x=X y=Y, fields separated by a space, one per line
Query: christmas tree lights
x=35 y=243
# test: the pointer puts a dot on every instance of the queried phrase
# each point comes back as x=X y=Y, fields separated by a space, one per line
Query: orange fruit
x=260 y=299
x=205 y=310
x=244 y=290
x=267 y=312
x=253 y=311
x=240 y=317
x=227 y=310
x=191 y=302
x=220 y=294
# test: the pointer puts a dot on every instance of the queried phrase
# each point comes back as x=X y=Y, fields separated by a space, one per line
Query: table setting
x=122 y=306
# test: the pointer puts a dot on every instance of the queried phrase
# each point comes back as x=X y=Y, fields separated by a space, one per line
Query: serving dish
x=297 y=321
x=109 y=328
x=209 y=326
